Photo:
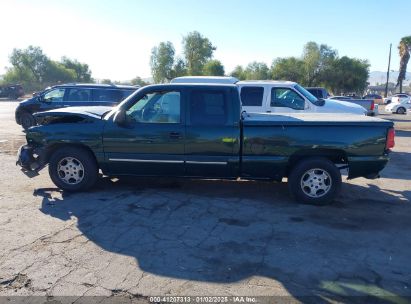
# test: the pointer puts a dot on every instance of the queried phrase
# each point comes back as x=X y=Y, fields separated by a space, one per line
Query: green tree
x=30 y=60
x=180 y=68
x=106 y=81
x=161 y=62
x=138 y=81
x=348 y=75
x=317 y=58
x=238 y=72
x=57 y=73
x=404 y=49
x=32 y=68
x=213 y=68
x=257 y=71
x=82 y=70
x=197 y=51
x=290 y=68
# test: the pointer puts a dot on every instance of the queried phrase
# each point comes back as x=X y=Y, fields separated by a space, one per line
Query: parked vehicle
x=399 y=105
x=368 y=104
x=377 y=98
x=200 y=131
x=12 y=91
x=67 y=95
x=388 y=100
x=267 y=96
x=320 y=93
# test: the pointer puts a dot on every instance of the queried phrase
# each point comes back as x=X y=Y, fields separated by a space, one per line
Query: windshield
x=306 y=94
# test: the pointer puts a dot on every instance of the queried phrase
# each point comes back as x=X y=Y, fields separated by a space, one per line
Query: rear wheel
x=73 y=169
x=315 y=181
x=401 y=110
x=27 y=120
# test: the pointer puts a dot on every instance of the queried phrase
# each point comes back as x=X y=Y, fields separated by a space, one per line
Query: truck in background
x=272 y=96
x=11 y=91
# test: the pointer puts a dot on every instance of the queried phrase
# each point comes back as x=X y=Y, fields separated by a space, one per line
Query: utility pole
x=388 y=72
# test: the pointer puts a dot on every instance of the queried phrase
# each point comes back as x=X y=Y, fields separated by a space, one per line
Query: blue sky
x=115 y=37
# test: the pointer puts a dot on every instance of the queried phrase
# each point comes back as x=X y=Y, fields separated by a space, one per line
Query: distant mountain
x=377 y=77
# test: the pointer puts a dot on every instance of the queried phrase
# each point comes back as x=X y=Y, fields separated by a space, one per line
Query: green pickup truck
x=200 y=131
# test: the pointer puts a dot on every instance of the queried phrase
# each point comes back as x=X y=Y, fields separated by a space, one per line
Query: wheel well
x=19 y=114
x=52 y=148
x=334 y=155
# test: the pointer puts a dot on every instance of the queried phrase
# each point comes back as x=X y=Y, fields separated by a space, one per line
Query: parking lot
x=140 y=237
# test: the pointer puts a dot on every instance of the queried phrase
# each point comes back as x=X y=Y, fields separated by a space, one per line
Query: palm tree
x=404 y=49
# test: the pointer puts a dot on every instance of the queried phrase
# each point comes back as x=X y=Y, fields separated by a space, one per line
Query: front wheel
x=401 y=110
x=73 y=169
x=315 y=181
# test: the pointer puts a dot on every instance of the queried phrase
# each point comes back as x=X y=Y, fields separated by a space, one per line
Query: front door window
x=157 y=107
x=286 y=98
x=55 y=95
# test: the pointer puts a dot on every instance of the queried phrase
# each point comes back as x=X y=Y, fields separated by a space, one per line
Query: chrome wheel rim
x=316 y=182
x=70 y=170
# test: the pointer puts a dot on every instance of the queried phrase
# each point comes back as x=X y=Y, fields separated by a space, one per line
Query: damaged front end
x=31 y=160
x=73 y=125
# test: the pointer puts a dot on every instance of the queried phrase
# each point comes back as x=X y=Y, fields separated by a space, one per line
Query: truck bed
x=312 y=119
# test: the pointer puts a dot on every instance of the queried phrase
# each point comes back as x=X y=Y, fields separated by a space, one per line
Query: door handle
x=174 y=135
x=268 y=111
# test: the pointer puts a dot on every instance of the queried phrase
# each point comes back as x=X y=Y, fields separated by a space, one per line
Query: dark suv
x=12 y=91
x=320 y=93
x=68 y=95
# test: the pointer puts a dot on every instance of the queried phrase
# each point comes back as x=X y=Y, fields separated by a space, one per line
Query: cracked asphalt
x=139 y=237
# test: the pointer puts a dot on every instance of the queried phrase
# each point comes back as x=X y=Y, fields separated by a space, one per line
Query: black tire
x=27 y=120
x=298 y=176
x=89 y=170
x=401 y=110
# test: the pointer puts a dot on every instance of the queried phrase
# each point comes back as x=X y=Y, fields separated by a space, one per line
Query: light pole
x=388 y=72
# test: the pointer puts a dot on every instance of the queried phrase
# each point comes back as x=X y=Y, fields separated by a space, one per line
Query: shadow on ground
x=224 y=232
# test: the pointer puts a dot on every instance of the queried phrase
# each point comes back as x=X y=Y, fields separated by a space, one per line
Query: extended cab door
x=152 y=142
x=212 y=132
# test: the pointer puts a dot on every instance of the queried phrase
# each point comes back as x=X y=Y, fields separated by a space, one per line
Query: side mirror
x=120 y=118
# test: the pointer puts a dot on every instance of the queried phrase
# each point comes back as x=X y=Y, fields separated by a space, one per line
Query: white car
x=399 y=105
x=401 y=96
x=269 y=96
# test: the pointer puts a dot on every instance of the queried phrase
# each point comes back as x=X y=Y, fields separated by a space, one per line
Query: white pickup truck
x=269 y=96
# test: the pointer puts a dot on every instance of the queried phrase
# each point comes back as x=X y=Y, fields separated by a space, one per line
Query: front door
x=152 y=144
x=53 y=99
x=286 y=100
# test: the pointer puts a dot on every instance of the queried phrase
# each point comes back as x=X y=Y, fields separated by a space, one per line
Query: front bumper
x=30 y=160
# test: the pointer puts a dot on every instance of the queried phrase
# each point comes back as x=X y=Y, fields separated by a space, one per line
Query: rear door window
x=127 y=93
x=78 y=95
x=252 y=96
x=108 y=95
x=208 y=107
